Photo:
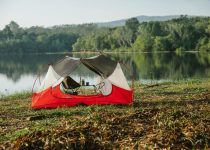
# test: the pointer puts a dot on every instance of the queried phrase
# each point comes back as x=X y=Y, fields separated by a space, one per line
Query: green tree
x=162 y=43
x=7 y=33
x=143 y=43
x=203 y=45
x=132 y=25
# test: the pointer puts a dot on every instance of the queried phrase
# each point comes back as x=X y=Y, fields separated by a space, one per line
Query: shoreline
x=95 y=52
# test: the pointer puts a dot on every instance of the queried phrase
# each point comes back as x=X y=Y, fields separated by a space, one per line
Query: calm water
x=18 y=72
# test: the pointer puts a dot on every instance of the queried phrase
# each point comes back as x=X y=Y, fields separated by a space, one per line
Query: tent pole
x=32 y=90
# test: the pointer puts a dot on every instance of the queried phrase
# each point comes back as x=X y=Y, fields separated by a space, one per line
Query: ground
x=172 y=115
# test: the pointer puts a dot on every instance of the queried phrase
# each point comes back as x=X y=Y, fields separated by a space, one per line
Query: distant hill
x=140 y=18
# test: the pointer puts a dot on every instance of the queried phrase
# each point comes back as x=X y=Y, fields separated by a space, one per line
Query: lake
x=18 y=72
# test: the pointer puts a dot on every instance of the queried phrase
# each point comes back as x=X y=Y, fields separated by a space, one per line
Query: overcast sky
x=55 y=12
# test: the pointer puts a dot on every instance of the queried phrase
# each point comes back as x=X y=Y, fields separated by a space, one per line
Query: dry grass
x=169 y=115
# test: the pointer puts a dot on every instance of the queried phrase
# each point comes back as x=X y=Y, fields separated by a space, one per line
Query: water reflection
x=24 y=83
x=19 y=71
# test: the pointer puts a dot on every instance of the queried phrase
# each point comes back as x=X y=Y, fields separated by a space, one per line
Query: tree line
x=15 y=39
x=181 y=34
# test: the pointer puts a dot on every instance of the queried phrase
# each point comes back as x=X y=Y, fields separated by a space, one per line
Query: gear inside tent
x=61 y=88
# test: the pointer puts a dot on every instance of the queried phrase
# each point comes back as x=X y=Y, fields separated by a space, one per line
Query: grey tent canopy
x=65 y=66
x=101 y=64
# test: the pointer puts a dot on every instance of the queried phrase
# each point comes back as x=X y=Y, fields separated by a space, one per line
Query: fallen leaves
x=157 y=120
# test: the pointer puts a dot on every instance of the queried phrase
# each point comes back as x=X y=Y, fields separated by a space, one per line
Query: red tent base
x=53 y=98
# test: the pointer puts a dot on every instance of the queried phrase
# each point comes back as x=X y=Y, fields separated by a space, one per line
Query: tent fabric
x=114 y=73
x=50 y=78
x=70 y=83
x=114 y=91
x=101 y=65
x=53 y=98
x=58 y=82
x=66 y=66
x=105 y=87
x=96 y=64
x=117 y=78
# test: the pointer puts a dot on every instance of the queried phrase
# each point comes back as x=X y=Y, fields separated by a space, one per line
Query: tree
x=143 y=43
x=162 y=43
x=14 y=27
x=7 y=33
x=132 y=25
x=156 y=29
x=203 y=45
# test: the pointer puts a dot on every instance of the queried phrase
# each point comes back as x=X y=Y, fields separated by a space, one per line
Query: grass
x=172 y=115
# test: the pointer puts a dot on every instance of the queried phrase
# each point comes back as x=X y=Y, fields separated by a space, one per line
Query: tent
x=113 y=86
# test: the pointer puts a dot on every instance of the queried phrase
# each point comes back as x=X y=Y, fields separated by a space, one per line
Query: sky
x=56 y=12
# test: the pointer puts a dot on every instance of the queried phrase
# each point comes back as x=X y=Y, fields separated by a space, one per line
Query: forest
x=180 y=34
